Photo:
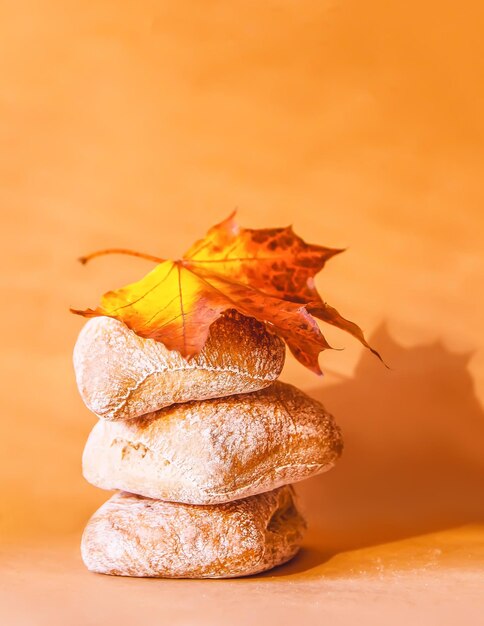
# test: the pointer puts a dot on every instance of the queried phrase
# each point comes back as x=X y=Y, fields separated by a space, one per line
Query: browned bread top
x=121 y=376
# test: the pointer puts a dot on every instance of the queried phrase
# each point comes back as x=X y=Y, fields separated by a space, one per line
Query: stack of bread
x=202 y=451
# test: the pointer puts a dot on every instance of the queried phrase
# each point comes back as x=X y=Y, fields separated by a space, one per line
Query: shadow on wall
x=413 y=461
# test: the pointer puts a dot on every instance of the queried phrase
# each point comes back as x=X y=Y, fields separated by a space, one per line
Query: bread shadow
x=308 y=558
x=413 y=461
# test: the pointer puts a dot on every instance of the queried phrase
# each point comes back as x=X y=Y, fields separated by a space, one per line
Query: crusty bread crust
x=215 y=450
x=135 y=536
x=121 y=375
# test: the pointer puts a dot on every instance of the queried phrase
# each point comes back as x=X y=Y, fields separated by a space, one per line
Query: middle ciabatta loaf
x=217 y=450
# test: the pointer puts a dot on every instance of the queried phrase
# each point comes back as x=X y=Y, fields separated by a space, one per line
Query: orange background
x=139 y=124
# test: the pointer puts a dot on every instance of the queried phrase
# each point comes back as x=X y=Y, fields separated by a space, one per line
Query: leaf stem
x=142 y=255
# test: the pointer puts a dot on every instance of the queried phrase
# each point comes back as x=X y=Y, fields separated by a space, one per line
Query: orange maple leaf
x=267 y=274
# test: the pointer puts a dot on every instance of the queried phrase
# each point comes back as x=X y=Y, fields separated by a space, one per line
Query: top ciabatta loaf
x=121 y=376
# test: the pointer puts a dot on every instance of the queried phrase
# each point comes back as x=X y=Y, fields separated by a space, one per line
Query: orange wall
x=138 y=124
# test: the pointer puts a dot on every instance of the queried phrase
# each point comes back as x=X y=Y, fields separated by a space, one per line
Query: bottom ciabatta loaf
x=135 y=536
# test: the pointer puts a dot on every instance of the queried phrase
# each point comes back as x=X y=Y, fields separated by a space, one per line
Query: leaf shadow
x=413 y=461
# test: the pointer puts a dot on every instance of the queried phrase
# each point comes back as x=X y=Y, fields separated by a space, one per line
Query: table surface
x=435 y=579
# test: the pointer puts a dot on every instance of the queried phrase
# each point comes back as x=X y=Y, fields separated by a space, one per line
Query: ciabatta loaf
x=216 y=450
x=121 y=375
x=135 y=536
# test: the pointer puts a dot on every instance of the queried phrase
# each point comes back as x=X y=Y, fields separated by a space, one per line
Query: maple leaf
x=267 y=274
